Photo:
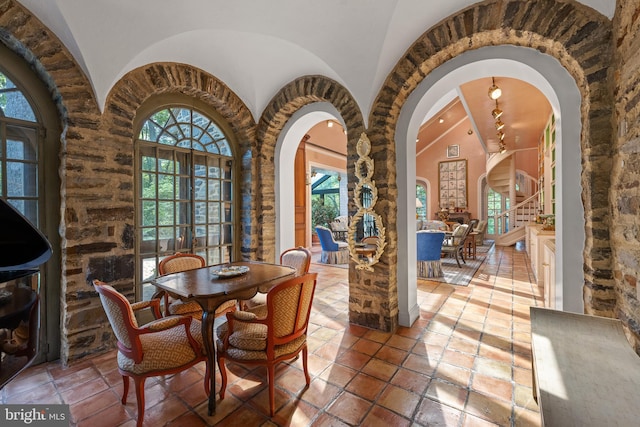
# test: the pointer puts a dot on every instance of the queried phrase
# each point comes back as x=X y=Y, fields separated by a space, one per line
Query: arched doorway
x=542 y=71
x=286 y=146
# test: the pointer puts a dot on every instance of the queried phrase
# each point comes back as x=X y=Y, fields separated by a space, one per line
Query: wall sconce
x=441 y=120
x=494 y=91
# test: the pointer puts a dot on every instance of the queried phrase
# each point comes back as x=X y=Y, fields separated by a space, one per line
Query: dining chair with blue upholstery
x=428 y=254
x=332 y=252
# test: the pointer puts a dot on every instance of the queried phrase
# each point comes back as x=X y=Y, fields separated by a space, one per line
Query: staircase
x=501 y=177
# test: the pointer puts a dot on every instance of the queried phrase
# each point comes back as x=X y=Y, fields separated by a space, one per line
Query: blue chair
x=429 y=250
x=332 y=252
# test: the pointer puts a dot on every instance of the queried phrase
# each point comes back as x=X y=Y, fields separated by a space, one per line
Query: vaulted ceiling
x=468 y=116
x=255 y=47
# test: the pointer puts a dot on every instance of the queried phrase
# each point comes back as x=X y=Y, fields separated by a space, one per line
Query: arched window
x=29 y=180
x=421 y=196
x=185 y=190
x=19 y=131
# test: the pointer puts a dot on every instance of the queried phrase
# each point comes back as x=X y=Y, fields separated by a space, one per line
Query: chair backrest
x=429 y=245
x=180 y=262
x=473 y=224
x=119 y=312
x=460 y=234
x=298 y=258
x=482 y=226
x=371 y=240
x=340 y=223
x=289 y=309
x=326 y=239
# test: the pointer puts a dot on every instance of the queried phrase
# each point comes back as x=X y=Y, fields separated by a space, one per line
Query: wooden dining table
x=210 y=290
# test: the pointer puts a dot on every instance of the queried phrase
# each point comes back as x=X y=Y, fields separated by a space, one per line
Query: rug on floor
x=315 y=259
x=461 y=276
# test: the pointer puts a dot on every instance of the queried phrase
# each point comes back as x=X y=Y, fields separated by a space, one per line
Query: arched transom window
x=185 y=188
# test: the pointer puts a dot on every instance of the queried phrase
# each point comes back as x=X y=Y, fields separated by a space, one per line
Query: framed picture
x=453 y=151
x=452 y=184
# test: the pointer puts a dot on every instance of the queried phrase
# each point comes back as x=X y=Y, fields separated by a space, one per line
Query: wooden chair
x=454 y=245
x=271 y=333
x=182 y=262
x=162 y=347
x=298 y=258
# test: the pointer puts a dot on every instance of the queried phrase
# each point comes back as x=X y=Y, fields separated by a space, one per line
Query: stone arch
x=580 y=40
x=131 y=91
x=79 y=120
x=302 y=92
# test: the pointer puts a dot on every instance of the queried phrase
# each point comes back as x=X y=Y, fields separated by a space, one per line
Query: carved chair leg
x=207 y=385
x=223 y=374
x=125 y=389
x=271 y=374
x=304 y=365
x=139 y=385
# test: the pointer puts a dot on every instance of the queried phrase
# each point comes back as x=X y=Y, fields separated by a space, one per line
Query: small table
x=366 y=250
x=470 y=244
x=209 y=291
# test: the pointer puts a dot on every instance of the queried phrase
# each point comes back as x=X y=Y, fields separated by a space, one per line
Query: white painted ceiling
x=254 y=46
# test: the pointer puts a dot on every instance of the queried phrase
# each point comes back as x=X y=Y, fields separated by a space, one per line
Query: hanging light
x=329 y=123
x=502 y=147
x=500 y=135
x=499 y=125
x=497 y=112
x=494 y=91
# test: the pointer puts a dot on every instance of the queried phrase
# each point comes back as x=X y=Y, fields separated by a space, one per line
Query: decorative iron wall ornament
x=365 y=198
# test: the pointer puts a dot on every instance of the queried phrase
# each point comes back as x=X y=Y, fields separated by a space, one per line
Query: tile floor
x=465 y=362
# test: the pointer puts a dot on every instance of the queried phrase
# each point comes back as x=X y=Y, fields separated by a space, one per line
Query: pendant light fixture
x=497 y=112
x=494 y=91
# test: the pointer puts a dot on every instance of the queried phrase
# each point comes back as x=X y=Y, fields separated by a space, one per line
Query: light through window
x=185 y=190
x=19 y=132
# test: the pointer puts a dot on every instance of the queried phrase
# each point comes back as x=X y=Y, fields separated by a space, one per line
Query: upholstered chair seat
x=269 y=334
x=454 y=245
x=481 y=229
x=163 y=346
x=332 y=252
x=298 y=258
x=182 y=262
x=429 y=253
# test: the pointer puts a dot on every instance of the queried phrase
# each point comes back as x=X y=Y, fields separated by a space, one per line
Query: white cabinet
x=549 y=272
x=535 y=240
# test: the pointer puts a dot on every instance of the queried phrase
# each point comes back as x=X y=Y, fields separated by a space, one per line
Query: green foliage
x=322 y=213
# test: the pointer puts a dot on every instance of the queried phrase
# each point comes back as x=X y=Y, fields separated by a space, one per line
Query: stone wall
x=97 y=152
x=581 y=40
x=625 y=176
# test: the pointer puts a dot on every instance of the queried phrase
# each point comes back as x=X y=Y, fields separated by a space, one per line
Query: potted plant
x=321 y=214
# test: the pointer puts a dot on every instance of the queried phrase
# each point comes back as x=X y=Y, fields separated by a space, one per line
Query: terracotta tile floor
x=465 y=362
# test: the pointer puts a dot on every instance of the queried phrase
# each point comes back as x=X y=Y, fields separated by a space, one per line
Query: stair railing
x=516 y=216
